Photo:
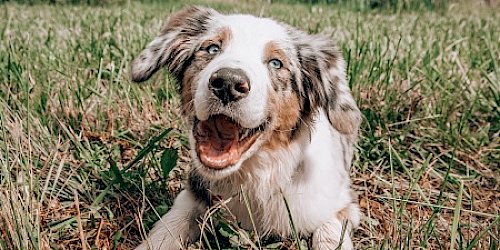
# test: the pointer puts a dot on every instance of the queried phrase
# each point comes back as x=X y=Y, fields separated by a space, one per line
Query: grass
x=86 y=155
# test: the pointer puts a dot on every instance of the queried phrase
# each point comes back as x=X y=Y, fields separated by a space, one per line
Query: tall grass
x=392 y=5
x=86 y=155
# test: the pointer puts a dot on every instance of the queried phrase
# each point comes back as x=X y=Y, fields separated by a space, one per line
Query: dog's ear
x=324 y=84
x=174 y=46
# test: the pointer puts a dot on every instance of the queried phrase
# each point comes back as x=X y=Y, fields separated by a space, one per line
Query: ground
x=86 y=156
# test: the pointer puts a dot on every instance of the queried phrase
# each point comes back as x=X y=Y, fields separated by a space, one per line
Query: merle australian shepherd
x=270 y=114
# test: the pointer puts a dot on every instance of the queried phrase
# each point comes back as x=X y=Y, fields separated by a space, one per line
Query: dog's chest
x=273 y=198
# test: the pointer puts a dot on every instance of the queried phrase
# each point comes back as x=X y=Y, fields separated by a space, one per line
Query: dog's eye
x=213 y=49
x=275 y=63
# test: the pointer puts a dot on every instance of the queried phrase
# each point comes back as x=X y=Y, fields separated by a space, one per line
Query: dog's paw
x=320 y=243
x=333 y=235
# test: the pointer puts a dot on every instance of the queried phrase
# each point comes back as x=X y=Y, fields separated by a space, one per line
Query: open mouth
x=220 y=141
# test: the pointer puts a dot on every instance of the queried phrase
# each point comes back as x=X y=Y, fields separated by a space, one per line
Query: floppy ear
x=324 y=82
x=174 y=46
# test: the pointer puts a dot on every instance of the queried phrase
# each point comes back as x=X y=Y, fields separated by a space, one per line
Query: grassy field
x=86 y=155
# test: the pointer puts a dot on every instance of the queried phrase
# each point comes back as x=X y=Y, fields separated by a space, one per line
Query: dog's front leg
x=332 y=235
x=178 y=227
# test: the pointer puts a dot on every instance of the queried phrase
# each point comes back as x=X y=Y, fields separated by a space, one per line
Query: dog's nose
x=229 y=84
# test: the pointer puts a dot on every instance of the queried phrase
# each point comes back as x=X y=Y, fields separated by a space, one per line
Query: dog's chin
x=222 y=144
x=215 y=174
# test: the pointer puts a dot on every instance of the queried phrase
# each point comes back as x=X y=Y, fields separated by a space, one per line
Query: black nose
x=229 y=84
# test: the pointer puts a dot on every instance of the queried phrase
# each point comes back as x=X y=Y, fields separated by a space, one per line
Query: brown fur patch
x=199 y=61
x=284 y=101
x=187 y=90
x=287 y=108
x=273 y=50
x=343 y=214
x=221 y=39
x=280 y=77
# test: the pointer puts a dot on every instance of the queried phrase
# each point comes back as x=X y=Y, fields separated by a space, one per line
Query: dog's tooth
x=243 y=134
x=247 y=132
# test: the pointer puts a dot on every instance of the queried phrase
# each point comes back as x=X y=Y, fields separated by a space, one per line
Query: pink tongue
x=217 y=142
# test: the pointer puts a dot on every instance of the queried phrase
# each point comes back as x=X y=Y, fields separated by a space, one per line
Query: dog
x=271 y=120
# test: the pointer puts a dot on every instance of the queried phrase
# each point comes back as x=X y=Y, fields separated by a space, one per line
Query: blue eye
x=213 y=49
x=275 y=63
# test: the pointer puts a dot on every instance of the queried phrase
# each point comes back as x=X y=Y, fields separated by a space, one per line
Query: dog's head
x=247 y=83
